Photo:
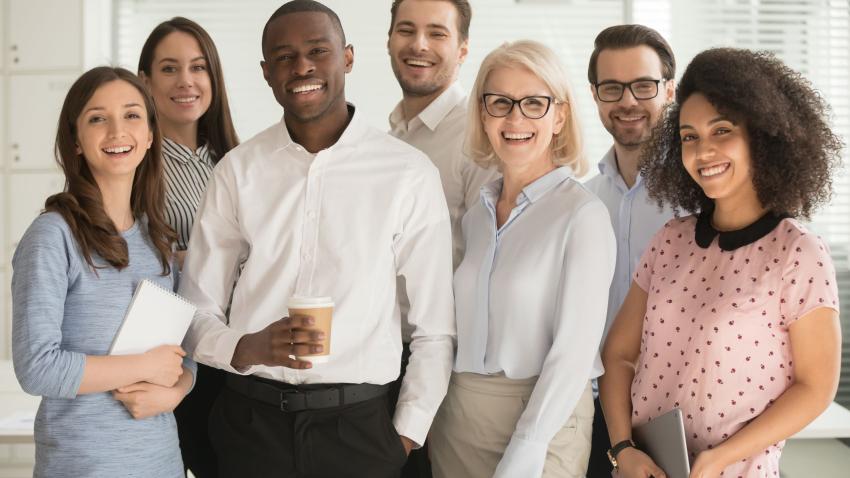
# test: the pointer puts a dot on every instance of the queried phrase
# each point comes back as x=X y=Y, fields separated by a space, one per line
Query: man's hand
x=407 y=443
x=278 y=344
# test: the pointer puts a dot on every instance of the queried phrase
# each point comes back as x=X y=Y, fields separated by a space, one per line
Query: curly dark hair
x=793 y=150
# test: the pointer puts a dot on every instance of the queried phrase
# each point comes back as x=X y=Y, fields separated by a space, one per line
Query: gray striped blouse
x=186 y=175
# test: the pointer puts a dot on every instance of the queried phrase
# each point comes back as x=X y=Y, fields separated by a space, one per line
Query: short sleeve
x=646 y=266
x=808 y=280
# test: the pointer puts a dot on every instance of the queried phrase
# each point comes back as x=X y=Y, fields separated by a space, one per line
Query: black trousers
x=192 y=416
x=255 y=439
x=599 y=466
x=418 y=465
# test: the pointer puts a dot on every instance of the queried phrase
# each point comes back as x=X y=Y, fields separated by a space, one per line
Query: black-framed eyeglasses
x=610 y=91
x=532 y=107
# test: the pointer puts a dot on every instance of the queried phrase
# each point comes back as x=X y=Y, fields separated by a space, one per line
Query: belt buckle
x=284 y=401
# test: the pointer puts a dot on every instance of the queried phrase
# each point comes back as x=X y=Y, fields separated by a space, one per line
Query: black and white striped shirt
x=186 y=175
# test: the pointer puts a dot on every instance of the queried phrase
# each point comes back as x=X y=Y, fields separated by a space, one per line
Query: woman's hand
x=145 y=399
x=180 y=257
x=164 y=365
x=633 y=463
x=708 y=465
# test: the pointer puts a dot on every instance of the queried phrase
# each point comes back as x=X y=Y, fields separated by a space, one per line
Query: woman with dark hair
x=75 y=271
x=733 y=314
x=180 y=64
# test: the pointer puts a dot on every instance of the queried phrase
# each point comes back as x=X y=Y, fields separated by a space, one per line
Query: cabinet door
x=4 y=148
x=34 y=105
x=3 y=48
x=27 y=192
x=45 y=35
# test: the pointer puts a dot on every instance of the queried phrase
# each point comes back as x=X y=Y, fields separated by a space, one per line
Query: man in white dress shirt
x=320 y=204
x=631 y=74
x=428 y=42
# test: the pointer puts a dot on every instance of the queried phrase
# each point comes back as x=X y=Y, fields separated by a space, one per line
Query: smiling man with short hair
x=631 y=75
x=320 y=205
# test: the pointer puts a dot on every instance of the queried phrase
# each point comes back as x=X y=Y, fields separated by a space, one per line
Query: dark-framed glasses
x=610 y=91
x=532 y=107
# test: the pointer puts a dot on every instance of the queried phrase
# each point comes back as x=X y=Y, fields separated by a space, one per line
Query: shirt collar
x=435 y=112
x=608 y=168
x=352 y=135
x=531 y=193
x=730 y=240
x=608 y=164
x=182 y=153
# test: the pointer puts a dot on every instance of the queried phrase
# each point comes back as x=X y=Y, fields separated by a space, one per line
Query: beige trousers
x=478 y=417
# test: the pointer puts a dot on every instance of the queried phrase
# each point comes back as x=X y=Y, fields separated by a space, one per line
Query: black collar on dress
x=731 y=240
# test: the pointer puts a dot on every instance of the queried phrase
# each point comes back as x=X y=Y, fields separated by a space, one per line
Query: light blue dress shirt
x=635 y=219
x=530 y=300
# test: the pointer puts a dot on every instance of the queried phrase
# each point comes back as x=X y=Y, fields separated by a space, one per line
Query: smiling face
x=113 y=132
x=305 y=65
x=179 y=80
x=630 y=121
x=520 y=142
x=716 y=152
x=425 y=46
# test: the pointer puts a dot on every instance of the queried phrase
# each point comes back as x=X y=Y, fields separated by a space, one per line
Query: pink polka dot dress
x=715 y=339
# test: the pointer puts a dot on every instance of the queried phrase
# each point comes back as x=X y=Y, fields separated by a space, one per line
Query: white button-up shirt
x=530 y=301
x=439 y=131
x=343 y=223
x=635 y=218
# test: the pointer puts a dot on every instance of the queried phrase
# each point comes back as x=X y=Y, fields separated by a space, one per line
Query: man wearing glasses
x=631 y=75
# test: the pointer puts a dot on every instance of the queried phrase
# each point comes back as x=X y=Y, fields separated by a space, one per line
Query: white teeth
x=714 y=170
x=185 y=99
x=517 y=136
x=306 y=88
x=418 y=63
x=629 y=118
x=118 y=149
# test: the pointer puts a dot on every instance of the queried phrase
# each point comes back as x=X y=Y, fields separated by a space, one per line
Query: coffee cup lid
x=299 y=301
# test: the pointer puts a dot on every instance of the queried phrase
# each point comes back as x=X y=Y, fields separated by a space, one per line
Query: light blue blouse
x=531 y=299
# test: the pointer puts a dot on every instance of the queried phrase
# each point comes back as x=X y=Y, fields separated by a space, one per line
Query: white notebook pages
x=155 y=317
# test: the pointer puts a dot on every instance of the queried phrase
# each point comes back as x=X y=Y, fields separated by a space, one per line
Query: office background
x=46 y=44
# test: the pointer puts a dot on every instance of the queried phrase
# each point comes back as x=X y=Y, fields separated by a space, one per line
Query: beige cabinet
x=35 y=101
x=45 y=35
x=27 y=192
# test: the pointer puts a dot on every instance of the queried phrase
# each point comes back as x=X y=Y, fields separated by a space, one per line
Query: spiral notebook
x=156 y=316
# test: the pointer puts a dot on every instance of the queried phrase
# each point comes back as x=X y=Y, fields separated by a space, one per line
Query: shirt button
x=299 y=149
x=311 y=214
x=306 y=256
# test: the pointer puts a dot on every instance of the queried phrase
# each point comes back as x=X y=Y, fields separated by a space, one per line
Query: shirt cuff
x=224 y=349
x=412 y=423
x=522 y=457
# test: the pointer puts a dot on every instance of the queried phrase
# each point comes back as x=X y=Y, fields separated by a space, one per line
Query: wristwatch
x=616 y=449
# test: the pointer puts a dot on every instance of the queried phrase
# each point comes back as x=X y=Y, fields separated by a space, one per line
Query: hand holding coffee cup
x=280 y=343
x=320 y=310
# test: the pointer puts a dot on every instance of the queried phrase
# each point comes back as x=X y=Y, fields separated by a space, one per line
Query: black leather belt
x=291 y=398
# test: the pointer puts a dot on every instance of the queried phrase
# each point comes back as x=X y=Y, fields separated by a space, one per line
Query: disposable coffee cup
x=321 y=310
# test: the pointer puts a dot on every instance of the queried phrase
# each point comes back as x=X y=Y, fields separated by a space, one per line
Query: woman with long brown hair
x=180 y=64
x=75 y=271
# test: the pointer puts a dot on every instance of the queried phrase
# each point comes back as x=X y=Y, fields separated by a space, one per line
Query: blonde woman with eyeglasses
x=531 y=291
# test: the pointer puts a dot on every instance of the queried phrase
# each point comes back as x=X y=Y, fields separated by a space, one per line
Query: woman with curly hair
x=733 y=313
